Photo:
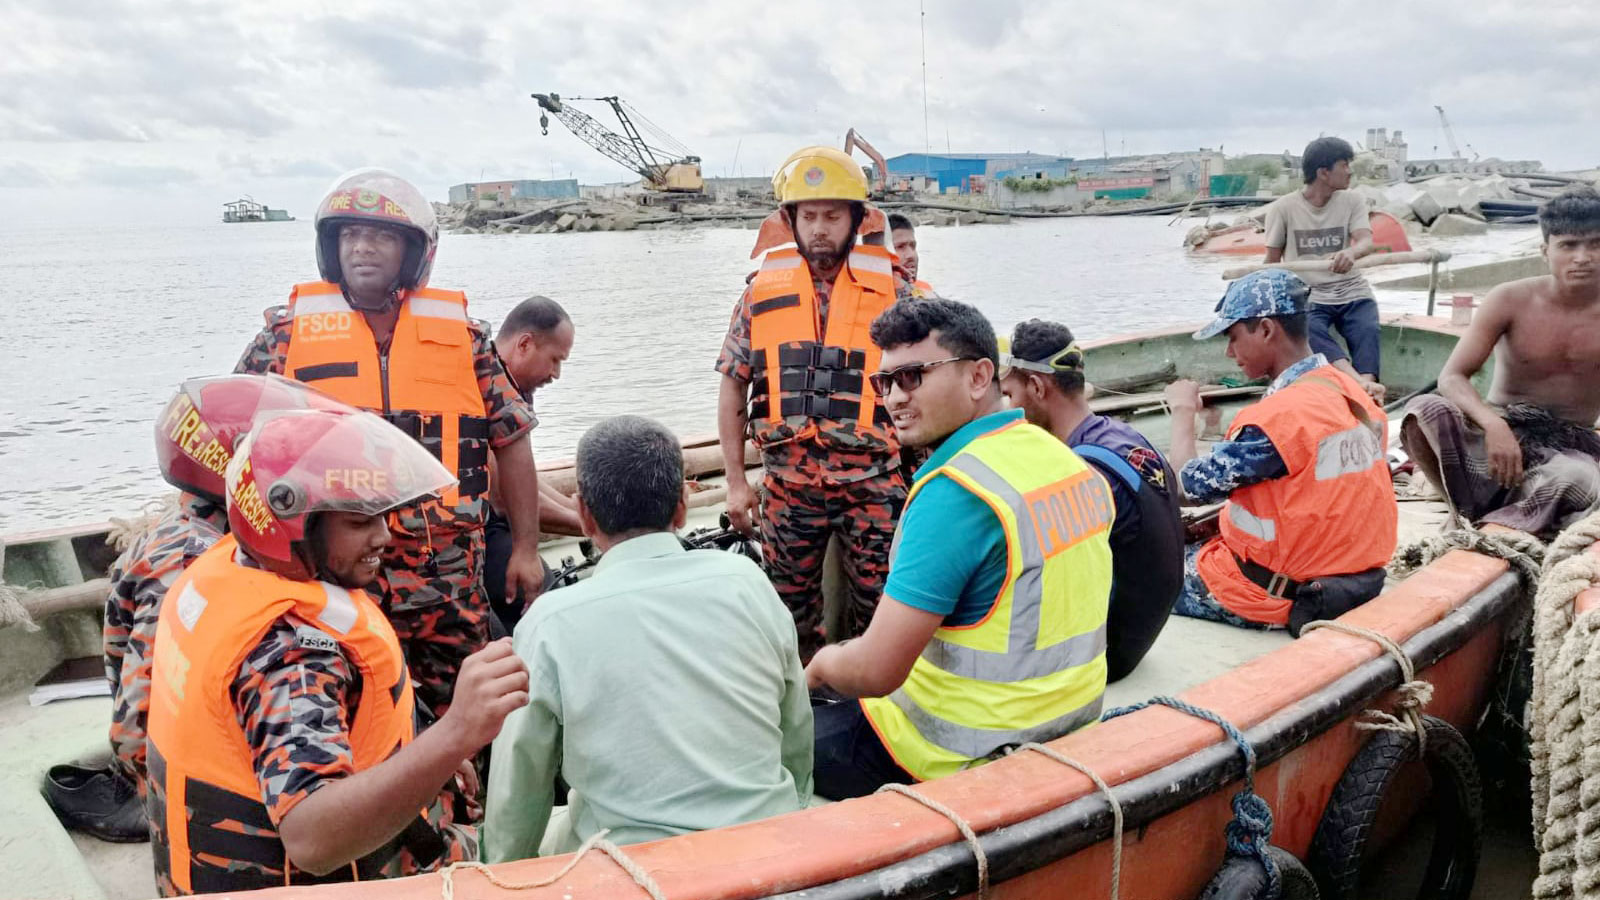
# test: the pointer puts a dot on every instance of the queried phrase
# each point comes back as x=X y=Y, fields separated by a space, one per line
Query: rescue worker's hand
x=1505 y=454
x=524 y=575
x=1342 y=262
x=741 y=505
x=1374 y=389
x=1183 y=395
x=492 y=685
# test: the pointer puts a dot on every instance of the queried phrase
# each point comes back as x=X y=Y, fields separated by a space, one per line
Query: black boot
x=101 y=802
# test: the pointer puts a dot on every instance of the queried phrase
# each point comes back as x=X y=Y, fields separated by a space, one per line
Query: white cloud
x=209 y=100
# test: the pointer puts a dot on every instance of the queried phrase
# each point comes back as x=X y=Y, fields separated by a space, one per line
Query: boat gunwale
x=1052 y=836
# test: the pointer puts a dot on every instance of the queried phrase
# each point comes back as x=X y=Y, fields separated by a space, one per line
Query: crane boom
x=1449 y=135
x=658 y=168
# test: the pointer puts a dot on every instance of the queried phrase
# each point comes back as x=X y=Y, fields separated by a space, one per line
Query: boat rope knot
x=1412 y=695
x=596 y=841
x=1563 y=719
x=1105 y=789
x=955 y=818
x=1251 y=829
x=1521 y=550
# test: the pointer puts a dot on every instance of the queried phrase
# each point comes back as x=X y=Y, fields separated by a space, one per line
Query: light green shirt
x=666 y=690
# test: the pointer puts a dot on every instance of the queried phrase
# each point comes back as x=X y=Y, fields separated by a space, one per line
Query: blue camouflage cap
x=1265 y=292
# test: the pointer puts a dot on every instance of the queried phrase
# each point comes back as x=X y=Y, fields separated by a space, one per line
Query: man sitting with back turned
x=667 y=688
x=1310 y=519
x=992 y=627
x=1529 y=458
x=1042 y=374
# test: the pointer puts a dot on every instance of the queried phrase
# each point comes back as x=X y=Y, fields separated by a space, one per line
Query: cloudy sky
x=169 y=107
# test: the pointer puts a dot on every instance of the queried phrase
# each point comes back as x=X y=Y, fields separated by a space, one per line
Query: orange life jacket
x=922 y=289
x=822 y=385
x=210 y=828
x=426 y=385
x=1333 y=514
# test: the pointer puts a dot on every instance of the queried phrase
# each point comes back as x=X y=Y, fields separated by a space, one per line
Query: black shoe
x=101 y=802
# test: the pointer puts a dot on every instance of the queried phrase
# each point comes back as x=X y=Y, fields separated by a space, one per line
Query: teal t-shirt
x=952 y=554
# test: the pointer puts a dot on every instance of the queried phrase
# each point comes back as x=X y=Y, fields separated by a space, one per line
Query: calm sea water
x=102 y=324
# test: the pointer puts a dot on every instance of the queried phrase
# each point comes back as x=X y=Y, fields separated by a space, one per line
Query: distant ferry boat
x=247 y=210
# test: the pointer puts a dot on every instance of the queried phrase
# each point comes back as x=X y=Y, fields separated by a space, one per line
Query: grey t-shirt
x=1304 y=231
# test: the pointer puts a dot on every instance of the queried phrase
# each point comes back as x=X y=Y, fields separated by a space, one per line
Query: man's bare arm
x=1466 y=360
x=1274 y=254
x=1469 y=355
x=731 y=422
x=879 y=661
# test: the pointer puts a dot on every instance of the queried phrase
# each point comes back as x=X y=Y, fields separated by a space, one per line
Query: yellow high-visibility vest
x=1034 y=668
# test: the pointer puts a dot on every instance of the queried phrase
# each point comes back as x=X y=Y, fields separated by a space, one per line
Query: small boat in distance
x=1250 y=238
x=247 y=209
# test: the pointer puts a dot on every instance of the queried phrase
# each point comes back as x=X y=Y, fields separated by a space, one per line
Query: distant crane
x=1450 y=136
x=675 y=170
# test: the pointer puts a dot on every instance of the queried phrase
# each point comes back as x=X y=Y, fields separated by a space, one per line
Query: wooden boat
x=1250 y=239
x=1045 y=829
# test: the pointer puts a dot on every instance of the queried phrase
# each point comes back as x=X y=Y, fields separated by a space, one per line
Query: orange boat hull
x=1248 y=240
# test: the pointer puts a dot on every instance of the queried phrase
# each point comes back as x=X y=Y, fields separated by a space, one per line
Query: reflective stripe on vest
x=203 y=776
x=1034 y=667
x=1331 y=437
x=429 y=388
x=808 y=376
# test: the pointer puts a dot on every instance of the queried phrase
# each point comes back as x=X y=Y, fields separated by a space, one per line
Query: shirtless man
x=1528 y=457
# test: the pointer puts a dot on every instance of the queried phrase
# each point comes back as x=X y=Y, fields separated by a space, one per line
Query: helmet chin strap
x=390 y=299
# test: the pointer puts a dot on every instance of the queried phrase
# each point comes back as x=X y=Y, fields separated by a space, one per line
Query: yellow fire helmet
x=819 y=173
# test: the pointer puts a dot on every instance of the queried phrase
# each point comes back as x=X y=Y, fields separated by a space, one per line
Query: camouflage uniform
x=294 y=699
x=431 y=583
x=816 y=488
x=139 y=579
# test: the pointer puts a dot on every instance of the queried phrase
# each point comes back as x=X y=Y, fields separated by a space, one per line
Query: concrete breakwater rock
x=529 y=216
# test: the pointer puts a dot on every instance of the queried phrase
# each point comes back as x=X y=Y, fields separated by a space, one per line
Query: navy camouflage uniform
x=431 y=582
x=817 y=488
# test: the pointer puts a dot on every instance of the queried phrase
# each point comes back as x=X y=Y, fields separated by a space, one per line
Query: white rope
x=961 y=826
x=1413 y=693
x=596 y=841
x=1564 y=719
x=1116 y=809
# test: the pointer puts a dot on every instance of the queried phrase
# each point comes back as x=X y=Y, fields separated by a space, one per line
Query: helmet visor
x=313 y=461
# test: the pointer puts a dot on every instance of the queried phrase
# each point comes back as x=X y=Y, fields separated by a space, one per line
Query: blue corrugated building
x=956 y=170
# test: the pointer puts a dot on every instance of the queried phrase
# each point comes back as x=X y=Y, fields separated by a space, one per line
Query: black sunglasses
x=909 y=376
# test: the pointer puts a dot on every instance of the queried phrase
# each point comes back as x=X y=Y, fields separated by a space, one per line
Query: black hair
x=1295 y=325
x=630 y=475
x=1324 y=153
x=1037 y=340
x=962 y=329
x=1575 y=210
x=898 y=221
x=539 y=315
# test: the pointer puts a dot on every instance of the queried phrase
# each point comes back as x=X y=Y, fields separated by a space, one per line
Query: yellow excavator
x=673 y=170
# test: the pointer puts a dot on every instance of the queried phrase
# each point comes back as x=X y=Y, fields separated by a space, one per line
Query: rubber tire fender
x=1340 y=844
x=1244 y=878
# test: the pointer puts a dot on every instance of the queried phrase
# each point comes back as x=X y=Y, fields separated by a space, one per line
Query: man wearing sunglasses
x=992 y=627
x=1310 y=517
x=794 y=369
x=1042 y=374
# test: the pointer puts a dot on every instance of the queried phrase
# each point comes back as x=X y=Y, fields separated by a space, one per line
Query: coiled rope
x=596 y=841
x=955 y=818
x=1564 y=720
x=1413 y=693
x=1105 y=789
x=1251 y=829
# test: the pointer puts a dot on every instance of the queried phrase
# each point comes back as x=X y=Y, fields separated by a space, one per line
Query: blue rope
x=1251 y=829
